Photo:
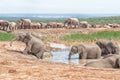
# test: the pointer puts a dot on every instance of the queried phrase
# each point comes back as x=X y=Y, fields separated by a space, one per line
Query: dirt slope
x=16 y=66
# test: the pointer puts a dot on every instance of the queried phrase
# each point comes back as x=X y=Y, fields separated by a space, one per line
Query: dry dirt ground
x=16 y=66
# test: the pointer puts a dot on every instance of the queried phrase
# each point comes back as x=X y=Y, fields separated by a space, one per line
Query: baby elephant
x=111 y=61
x=86 y=51
x=34 y=45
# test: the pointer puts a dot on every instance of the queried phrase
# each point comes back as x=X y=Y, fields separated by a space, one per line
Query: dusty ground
x=16 y=66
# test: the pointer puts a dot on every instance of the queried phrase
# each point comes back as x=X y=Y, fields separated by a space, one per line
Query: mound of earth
x=16 y=66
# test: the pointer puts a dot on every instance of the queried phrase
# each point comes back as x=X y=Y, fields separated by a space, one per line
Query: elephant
x=60 y=25
x=35 y=25
x=108 y=47
x=12 y=26
x=84 y=24
x=4 y=25
x=37 y=35
x=34 y=45
x=24 y=23
x=52 y=24
x=85 y=51
x=43 y=25
x=71 y=23
x=114 y=25
x=111 y=61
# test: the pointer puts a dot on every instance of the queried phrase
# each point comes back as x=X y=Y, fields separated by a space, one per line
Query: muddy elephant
x=34 y=45
x=84 y=24
x=108 y=47
x=71 y=23
x=85 y=51
x=111 y=61
x=4 y=25
x=12 y=26
x=24 y=24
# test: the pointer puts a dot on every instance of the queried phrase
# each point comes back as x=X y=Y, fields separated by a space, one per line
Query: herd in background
x=69 y=23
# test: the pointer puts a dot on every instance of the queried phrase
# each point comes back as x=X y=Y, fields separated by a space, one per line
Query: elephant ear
x=75 y=49
x=82 y=48
x=114 y=47
x=99 y=44
x=28 y=36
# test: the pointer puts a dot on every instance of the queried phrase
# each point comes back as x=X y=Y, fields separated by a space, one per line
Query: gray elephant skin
x=84 y=24
x=4 y=24
x=24 y=23
x=111 y=61
x=69 y=22
x=35 y=25
x=85 y=51
x=12 y=26
x=33 y=45
x=108 y=47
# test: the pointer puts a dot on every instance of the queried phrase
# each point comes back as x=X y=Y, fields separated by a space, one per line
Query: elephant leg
x=118 y=63
x=25 y=51
x=79 y=56
x=84 y=56
x=98 y=55
x=39 y=55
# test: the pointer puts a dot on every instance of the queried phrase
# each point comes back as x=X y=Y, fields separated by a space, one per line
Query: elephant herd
x=106 y=51
x=109 y=50
x=69 y=23
x=5 y=25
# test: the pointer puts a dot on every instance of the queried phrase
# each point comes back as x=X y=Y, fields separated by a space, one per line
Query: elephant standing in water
x=108 y=47
x=71 y=23
x=85 y=51
x=24 y=24
x=111 y=61
x=33 y=45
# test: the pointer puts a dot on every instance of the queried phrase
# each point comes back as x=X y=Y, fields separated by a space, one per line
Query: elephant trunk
x=69 y=57
x=12 y=41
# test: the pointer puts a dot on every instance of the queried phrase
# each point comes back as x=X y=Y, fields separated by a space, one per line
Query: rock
x=47 y=55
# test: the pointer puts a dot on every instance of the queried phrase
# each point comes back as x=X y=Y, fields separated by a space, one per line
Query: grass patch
x=102 y=20
x=111 y=35
x=6 y=36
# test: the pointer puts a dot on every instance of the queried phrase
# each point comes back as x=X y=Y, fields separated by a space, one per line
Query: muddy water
x=61 y=56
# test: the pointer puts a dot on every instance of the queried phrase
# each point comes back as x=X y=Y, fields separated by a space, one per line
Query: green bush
x=94 y=36
x=6 y=36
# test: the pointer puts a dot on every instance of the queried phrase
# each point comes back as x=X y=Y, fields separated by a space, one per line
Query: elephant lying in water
x=111 y=61
x=85 y=51
x=34 y=45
